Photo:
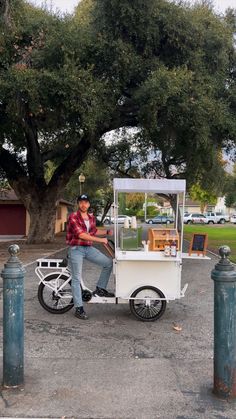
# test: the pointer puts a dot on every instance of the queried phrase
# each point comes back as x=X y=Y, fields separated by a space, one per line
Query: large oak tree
x=53 y=108
x=64 y=82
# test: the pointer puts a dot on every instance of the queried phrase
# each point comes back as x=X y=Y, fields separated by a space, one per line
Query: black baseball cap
x=83 y=197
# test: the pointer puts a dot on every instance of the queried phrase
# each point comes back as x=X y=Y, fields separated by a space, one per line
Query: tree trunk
x=203 y=207
x=42 y=221
x=39 y=198
x=173 y=202
x=41 y=204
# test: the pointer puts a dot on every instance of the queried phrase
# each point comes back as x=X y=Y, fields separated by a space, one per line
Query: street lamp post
x=81 y=181
x=145 y=208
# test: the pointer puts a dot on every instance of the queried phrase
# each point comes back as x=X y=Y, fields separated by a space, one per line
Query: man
x=81 y=234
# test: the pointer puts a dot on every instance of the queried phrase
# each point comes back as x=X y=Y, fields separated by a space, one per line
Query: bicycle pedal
x=86 y=295
x=99 y=299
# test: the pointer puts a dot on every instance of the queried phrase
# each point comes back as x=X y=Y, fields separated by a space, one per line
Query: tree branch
x=126 y=116
x=5 y=11
x=52 y=154
x=65 y=170
x=165 y=166
x=34 y=157
x=10 y=165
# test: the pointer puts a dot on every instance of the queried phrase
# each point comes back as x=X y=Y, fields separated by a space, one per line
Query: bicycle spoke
x=146 y=304
x=57 y=301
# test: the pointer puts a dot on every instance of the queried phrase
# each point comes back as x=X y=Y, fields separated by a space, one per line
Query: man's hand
x=104 y=240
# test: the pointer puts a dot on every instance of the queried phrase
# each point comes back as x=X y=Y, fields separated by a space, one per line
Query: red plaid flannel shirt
x=76 y=226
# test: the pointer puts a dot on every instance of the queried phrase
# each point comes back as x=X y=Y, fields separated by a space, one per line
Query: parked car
x=216 y=217
x=160 y=219
x=196 y=218
x=233 y=219
x=105 y=221
x=120 y=219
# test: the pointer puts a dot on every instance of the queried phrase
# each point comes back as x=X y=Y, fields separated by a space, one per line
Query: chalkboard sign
x=198 y=243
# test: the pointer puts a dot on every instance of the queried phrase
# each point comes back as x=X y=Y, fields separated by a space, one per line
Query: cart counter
x=146 y=256
x=152 y=269
x=156 y=256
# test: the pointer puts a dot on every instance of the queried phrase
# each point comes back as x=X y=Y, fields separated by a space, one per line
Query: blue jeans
x=76 y=256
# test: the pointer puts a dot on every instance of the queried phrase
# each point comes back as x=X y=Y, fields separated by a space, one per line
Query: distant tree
x=230 y=189
x=204 y=197
x=230 y=199
x=135 y=201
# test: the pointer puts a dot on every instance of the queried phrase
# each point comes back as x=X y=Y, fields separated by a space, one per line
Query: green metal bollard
x=13 y=320
x=224 y=277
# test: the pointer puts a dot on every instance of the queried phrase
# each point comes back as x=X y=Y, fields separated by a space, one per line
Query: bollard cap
x=13 y=267
x=13 y=249
x=224 y=270
x=224 y=252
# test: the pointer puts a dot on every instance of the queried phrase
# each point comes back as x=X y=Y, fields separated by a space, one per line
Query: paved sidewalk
x=31 y=252
x=113 y=366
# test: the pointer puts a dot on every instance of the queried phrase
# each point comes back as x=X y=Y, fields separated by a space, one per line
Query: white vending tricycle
x=147 y=272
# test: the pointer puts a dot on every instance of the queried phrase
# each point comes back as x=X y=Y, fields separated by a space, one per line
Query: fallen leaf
x=177 y=327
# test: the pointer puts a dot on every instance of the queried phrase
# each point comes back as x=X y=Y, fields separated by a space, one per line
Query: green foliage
x=134 y=201
x=230 y=199
x=83 y=13
x=97 y=183
x=152 y=211
x=122 y=203
x=4 y=184
x=204 y=197
x=43 y=80
x=177 y=77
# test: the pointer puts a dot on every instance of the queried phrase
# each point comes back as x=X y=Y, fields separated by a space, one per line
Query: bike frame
x=51 y=264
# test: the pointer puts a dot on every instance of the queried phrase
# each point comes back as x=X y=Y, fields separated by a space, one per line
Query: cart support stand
x=224 y=277
x=13 y=320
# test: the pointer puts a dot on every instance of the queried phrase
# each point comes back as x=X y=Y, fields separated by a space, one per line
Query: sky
x=68 y=5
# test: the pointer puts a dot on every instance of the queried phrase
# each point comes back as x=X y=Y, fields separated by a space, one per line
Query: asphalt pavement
x=114 y=366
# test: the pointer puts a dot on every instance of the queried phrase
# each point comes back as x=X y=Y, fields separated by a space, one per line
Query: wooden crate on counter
x=158 y=237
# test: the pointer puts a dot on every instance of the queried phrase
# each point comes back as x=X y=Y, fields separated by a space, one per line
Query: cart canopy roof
x=167 y=186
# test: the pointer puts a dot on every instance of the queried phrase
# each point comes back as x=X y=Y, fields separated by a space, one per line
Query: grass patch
x=217 y=236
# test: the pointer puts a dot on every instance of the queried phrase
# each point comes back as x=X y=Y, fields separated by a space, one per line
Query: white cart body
x=142 y=277
x=135 y=269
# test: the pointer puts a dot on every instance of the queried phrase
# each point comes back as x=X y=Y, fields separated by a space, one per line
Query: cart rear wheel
x=147 y=306
x=50 y=300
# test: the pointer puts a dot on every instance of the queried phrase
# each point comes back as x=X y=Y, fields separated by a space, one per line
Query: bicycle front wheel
x=52 y=300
